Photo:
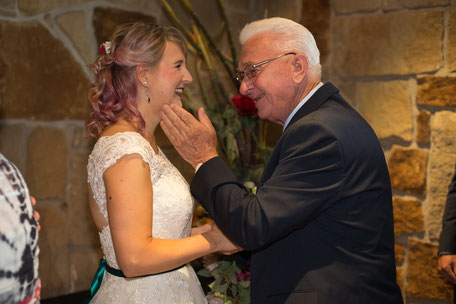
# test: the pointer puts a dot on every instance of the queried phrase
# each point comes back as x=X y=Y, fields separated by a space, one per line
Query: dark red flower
x=245 y=276
x=102 y=49
x=244 y=105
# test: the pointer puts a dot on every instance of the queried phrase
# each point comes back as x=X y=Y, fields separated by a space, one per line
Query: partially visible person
x=139 y=201
x=447 y=242
x=19 y=280
x=320 y=226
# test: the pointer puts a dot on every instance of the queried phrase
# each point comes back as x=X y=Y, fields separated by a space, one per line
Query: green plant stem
x=198 y=23
x=228 y=32
x=180 y=26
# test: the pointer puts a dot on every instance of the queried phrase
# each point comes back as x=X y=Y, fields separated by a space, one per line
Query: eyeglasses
x=251 y=69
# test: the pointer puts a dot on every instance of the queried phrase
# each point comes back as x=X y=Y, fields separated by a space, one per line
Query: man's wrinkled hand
x=446 y=267
x=195 y=140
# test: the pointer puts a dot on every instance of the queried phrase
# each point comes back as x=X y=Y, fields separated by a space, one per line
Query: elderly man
x=320 y=226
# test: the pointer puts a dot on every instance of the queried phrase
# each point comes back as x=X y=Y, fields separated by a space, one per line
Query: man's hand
x=196 y=141
x=447 y=264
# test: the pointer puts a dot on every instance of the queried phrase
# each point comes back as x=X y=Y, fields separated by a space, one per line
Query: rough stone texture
x=436 y=91
x=351 y=6
x=415 y=35
x=451 y=49
x=47 y=163
x=408 y=216
x=400 y=277
x=11 y=144
x=81 y=140
x=83 y=231
x=32 y=7
x=399 y=254
x=53 y=242
x=290 y=9
x=83 y=265
x=73 y=25
x=398 y=4
x=407 y=169
x=423 y=279
x=8 y=8
x=423 y=128
x=387 y=108
x=105 y=20
x=41 y=81
x=315 y=17
x=442 y=158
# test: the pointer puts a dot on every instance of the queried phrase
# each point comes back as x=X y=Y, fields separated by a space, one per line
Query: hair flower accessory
x=106 y=47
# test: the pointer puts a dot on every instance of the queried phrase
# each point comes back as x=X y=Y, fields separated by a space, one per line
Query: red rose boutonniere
x=244 y=105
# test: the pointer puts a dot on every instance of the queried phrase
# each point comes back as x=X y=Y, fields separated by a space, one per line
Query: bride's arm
x=129 y=201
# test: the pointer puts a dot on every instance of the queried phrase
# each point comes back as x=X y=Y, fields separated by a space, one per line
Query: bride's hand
x=223 y=244
x=201 y=229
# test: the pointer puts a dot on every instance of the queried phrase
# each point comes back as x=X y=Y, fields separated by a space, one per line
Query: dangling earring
x=147 y=92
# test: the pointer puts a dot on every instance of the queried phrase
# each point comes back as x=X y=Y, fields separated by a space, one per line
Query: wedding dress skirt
x=172 y=218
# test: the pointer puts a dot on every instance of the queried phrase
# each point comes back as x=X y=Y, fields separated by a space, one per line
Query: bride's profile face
x=169 y=77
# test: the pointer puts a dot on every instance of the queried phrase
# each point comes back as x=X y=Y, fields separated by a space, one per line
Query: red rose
x=244 y=105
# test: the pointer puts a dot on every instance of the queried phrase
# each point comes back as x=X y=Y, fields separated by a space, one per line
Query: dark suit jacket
x=447 y=243
x=320 y=227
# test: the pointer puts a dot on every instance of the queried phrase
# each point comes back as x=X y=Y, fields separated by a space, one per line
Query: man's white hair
x=292 y=37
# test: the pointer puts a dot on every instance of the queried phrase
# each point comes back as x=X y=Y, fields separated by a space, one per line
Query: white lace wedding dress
x=172 y=217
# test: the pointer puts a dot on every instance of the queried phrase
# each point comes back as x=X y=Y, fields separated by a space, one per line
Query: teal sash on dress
x=98 y=278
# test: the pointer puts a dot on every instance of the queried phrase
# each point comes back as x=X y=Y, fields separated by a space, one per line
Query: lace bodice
x=172 y=208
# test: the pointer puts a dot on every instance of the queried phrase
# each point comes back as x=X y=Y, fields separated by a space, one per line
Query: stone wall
x=395 y=61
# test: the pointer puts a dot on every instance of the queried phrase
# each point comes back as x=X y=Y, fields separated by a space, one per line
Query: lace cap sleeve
x=107 y=151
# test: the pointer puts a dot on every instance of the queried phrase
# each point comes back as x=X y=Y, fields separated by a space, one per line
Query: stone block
x=81 y=140
x=399 y=254
x=105 y=20
x=8 y=8
x=290 y=9
x=315 y=17
x=352 y=6
x=423 y=278
x=400 y=4
x=73 y=24
x=387 y=108
x=436 y=91
x=53 y=243
x=83 y=265
x=47 y=163
x=11 y=143
x=407 y=169
x=400 y=277
x=83 y=231
x=408 y=216
x=41 y=81
x=33 y=7
x=442 y=158
x=451 y=48
x=405 y=42
x=423 y=128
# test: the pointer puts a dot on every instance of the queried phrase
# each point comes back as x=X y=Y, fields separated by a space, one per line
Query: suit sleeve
x=447 y=243
x=306 y=180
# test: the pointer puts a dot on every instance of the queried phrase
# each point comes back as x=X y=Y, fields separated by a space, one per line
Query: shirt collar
x=301 y=104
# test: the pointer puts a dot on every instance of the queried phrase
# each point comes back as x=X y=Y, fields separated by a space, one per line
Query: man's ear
x=141 y=73
x=300 y=66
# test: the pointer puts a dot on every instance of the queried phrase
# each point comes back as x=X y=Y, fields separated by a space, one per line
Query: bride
x=139 y=201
